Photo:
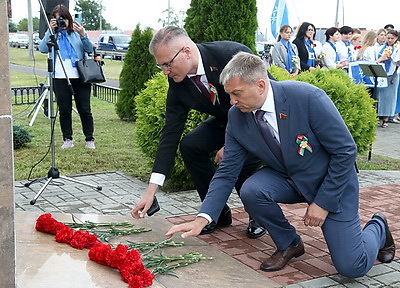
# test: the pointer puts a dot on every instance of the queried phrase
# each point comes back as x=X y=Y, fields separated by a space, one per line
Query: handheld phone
x=154 y=207
x=78 y=18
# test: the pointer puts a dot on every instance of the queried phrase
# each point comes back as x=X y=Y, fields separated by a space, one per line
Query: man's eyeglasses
x=167 y=66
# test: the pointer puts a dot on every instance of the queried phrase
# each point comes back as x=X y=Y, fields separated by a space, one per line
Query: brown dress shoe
x=280 y=258
x=386 y=254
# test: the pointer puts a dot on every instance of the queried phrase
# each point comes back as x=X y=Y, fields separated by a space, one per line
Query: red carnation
x=147 y=277
x=99 y=253
x=135 y=282
x=46 y=223
x=117 y=257
x=64 y=235
x=90 y=240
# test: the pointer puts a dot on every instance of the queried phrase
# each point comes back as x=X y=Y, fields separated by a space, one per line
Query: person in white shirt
x=344 y=47
x=330 y=57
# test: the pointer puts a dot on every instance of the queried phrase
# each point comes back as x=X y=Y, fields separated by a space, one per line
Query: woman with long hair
x=306 y=46
x=284 y=54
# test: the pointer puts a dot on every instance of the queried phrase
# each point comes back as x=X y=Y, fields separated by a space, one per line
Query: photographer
x=73 y=43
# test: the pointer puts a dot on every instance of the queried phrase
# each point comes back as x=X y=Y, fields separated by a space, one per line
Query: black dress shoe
x=209 y=228
x=280 y=258
x=224 y=220
x=386 y=254
x=254 y=230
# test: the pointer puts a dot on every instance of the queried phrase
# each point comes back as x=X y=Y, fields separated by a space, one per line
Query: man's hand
x=191 y=229
x=315 y=215
x=218 y=156
x=141 y=207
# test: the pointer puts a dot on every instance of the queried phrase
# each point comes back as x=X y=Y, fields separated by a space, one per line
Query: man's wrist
x=205 y=216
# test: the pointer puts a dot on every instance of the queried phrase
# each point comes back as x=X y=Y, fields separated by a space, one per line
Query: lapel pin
x=282 y=116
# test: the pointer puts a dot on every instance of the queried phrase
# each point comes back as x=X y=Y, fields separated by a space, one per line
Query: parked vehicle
x=114 y=42
x=12 y=39
x=20 y=41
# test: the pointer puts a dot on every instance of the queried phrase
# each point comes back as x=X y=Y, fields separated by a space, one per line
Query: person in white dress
x=330 y=58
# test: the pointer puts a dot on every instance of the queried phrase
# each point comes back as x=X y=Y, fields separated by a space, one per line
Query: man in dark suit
x=317 y=166
x=184 y=61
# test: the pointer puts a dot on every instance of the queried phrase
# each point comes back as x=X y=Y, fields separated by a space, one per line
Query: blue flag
x=279 y=17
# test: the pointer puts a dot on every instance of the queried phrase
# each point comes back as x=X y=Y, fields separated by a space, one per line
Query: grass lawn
x=115 y=145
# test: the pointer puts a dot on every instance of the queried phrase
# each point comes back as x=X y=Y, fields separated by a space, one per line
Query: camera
x=61 y=22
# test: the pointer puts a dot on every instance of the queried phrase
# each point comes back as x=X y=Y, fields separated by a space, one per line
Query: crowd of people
x=345 y=46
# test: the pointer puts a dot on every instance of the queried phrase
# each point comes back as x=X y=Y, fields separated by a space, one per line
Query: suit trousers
x=198 y=147
x=353 y=250
x=82 y=100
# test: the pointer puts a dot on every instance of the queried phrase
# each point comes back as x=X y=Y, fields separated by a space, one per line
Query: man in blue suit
x=317 y=166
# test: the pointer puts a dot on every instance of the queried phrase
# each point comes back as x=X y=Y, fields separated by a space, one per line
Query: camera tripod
x=53 y=172
x=41 y=103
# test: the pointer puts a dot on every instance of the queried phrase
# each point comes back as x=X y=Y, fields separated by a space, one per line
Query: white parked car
x=21 y=41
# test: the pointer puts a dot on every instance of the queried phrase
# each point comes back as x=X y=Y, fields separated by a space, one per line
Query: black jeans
x=82 y=100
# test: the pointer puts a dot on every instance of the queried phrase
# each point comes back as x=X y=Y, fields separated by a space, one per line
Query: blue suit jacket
x=326 y=176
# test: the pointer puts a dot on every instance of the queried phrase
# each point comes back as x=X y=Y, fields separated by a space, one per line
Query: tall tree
x=12 y=27
x=23 y=24
x=210 y=20
x=91 y=14
x=139 y=66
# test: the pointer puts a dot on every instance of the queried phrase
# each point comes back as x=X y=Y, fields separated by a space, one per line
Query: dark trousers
x=197 y=149
x=82 y=100
x=353 y=250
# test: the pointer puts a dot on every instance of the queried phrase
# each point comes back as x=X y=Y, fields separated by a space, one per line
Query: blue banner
x=279 y=17
x=359 y=77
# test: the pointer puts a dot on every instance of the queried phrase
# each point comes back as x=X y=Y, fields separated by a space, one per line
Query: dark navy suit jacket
x=326 y=176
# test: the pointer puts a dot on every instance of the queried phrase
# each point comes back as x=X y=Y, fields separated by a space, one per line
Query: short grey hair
x=164 y=36
x=248 y=67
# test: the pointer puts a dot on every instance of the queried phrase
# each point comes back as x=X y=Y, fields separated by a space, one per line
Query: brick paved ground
x=316 y=262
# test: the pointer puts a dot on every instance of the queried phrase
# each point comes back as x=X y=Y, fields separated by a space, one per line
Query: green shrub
x=150 y=113
x=352 y=100
x=21 y=136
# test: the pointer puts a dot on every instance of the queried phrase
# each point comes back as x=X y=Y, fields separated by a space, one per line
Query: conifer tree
x=210 y=20
x=139 y=66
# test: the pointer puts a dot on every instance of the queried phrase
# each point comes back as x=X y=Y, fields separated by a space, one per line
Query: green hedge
x=352 y=101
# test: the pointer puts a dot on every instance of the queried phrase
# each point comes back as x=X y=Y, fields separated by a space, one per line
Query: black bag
x=90 y=70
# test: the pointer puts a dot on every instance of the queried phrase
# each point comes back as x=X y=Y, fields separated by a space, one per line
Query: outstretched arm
x=190 y=229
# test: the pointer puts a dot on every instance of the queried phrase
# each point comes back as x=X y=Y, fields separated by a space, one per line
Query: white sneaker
x=67 y=144
x=90 y=145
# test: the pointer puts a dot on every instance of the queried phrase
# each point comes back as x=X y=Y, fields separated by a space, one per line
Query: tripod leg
x=81 y=182
x=39 y=105
x=33 y=201
x=33 y=181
